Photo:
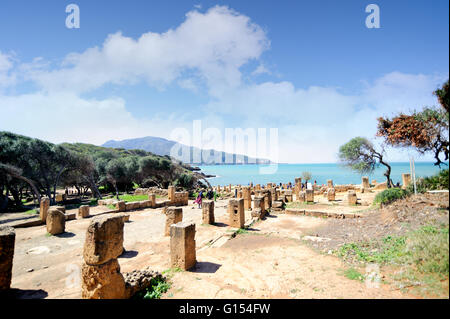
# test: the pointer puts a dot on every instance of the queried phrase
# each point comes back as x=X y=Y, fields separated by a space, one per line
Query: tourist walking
x=199 y=199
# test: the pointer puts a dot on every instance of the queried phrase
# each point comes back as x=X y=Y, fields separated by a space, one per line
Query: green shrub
x=390 y=195
x=158 y=286
x=435 y=182
x=428 y=249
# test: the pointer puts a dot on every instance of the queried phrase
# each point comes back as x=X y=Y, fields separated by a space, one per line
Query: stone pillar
x=121 y=206
x=365 y=182
x=100 y=271
x=56 y=221
x=330 y=183
x=351 y=197
x=289 y=196
x=236 y=213
x=310 y=196
x=83 y=211
x=152 y=199
x=7 y=240
x=182 y=245
x=43 y=209
x=208 y=212
x=171 y=193
x=246 y=193
x=273 y=194
x=259 y=207
x=331 y=194
x=173 y=216
x=406 y=179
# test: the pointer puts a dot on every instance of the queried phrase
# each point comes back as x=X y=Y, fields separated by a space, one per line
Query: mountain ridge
x=162 y=146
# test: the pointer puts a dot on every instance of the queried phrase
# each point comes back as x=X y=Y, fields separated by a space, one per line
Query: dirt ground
x=269 y=260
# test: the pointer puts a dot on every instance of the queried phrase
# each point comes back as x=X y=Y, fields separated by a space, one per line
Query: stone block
x=102 y=281
x=104 y=239
x=83 y=211
x=208 y=212
x=182 y=245
x=309 y=194
x=56 y=221
x=43 y=208
x=236 y=213
x=173 y=216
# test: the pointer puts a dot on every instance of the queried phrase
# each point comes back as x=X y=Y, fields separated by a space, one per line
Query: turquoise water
x=244 y=174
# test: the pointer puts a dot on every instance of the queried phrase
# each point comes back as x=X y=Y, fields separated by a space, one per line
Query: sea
x=284 y=173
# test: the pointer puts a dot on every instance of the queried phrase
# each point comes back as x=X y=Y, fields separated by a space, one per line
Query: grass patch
x=353 y=274
x=32 y=212
x=171 y=271
x=422 y=254
x=241 y=231
x=111 y=206
x=133 y=198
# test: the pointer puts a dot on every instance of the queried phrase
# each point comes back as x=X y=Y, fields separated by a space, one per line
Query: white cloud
x=65 y=117
x=261 y=69
x=6 y=64
x=215 y=44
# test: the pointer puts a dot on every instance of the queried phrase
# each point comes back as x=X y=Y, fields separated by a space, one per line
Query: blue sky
x=312 y=69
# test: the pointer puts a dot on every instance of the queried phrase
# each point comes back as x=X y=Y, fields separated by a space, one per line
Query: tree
x=306 y=176
x=360 y=155
x=426 y=131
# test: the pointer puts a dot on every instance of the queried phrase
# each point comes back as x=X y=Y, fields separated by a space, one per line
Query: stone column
x=43 y=209
x=302 y=196
x=236 y=213
x=100 y=272
x=152 y=199
x=173 y=216
x=288 y=194
x=182 y=245
x=121 y=206
x=83 y=211
x=273 y=194
x=330 y=183
x=7 y=240
x=247 y=198
x=310 y=196
x=208 y=212
x=331 y=194
x=258 y=207
x=351 y=197
x=406 y=179
x=171 y=193
x=56 y=221
x=365 y=182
